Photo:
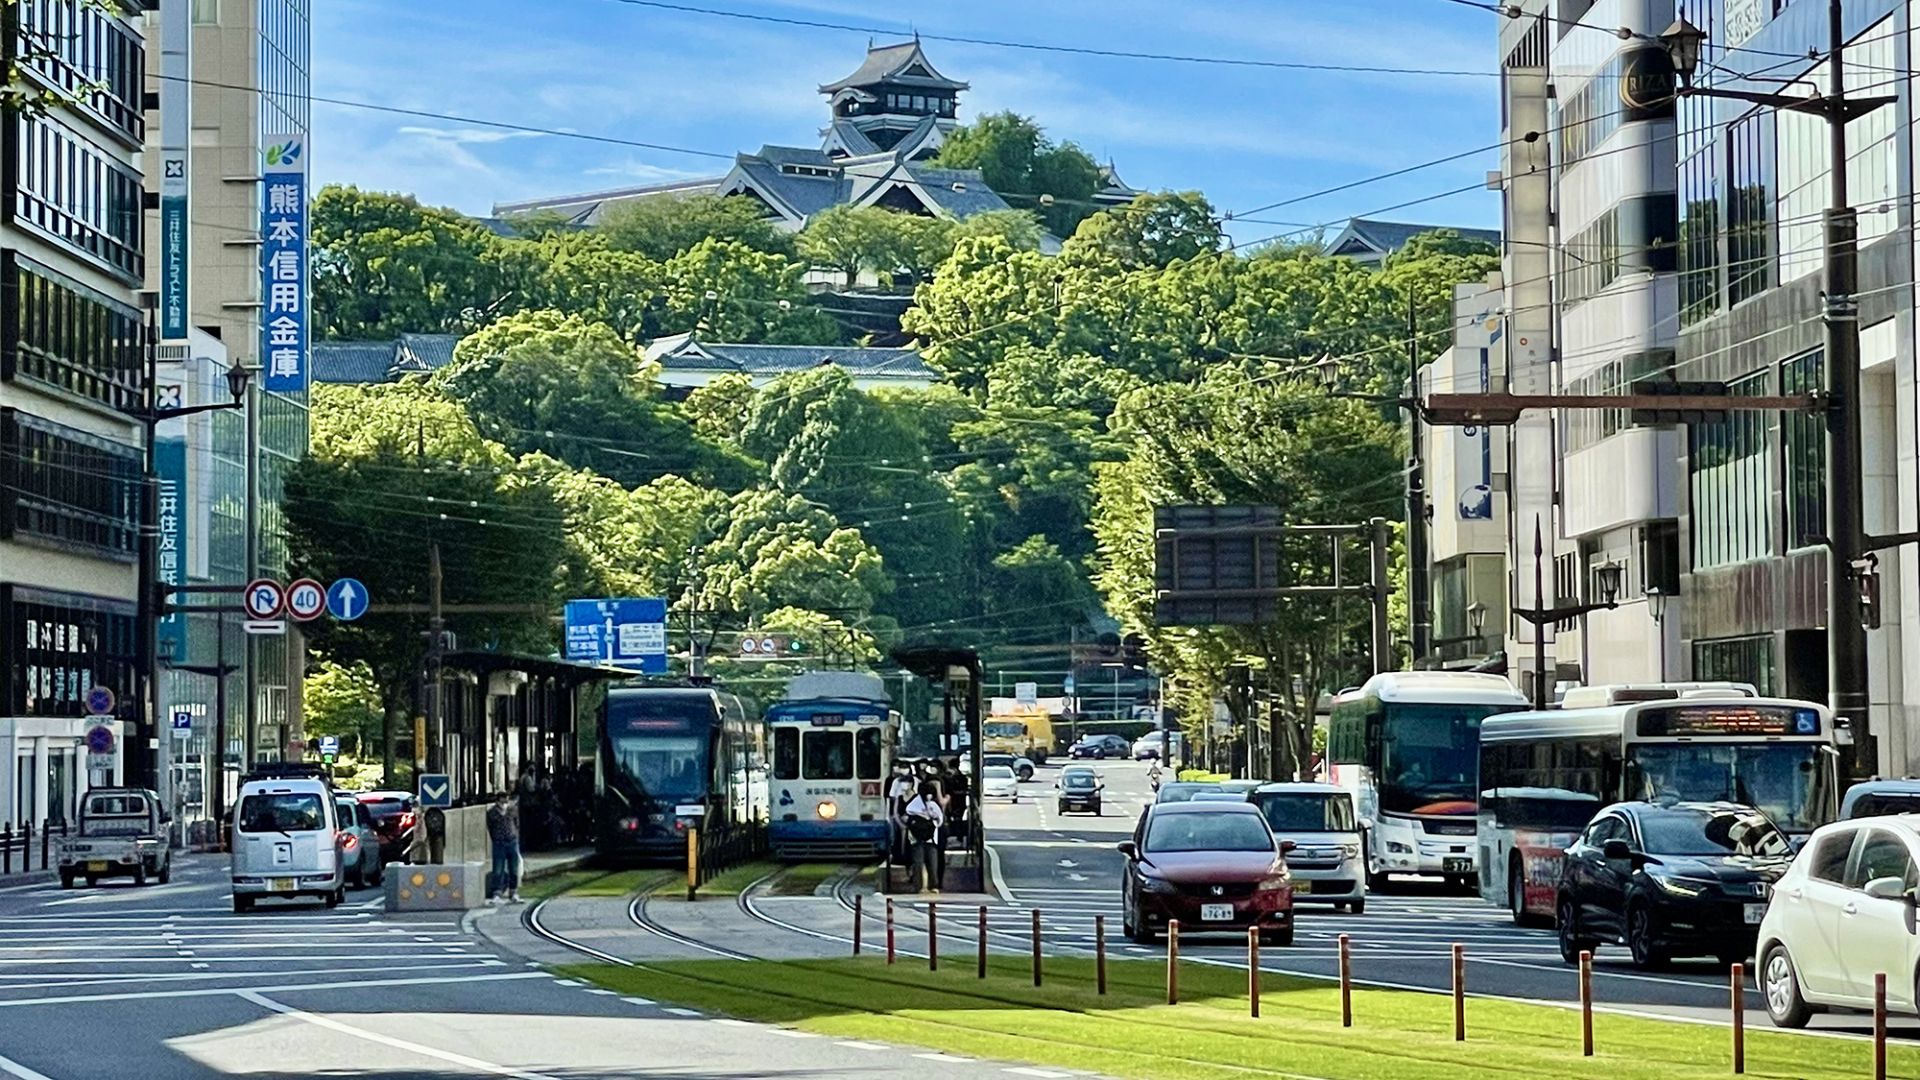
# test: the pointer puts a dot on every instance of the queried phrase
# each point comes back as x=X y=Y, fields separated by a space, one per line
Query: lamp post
x=148 y=602
x=1846 y=539
x=1608 y=578
x=1477 y=623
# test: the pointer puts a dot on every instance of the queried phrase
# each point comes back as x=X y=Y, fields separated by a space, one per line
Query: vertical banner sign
x=170 y=561
x=176 y=102
x=283 y=265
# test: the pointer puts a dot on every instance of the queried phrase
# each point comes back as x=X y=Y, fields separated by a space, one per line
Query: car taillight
x=630 y=824
x=406 y=820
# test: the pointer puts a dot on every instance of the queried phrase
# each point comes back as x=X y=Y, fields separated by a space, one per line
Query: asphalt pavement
x=1066 y=867
x=166 y=982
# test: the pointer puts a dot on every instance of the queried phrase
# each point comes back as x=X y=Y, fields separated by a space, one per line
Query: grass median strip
x=1397 y=1035
x=586 y=881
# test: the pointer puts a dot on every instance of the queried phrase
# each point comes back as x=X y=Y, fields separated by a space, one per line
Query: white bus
x=1407 y=745
x=1543 y=775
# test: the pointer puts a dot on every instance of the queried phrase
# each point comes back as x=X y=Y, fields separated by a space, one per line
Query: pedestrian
x=959 y=811
x=900 y=791
x=924 y=822
x=503 y=829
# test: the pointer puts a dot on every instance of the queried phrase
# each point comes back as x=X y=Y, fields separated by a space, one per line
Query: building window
x=1660 y=557
x=86 y=54
x=1586 y=427
x=206 y=12
x=59 y=645
x=67 y=488
x=58 y=332
x=1804 y=442
x=1751 y=188
x=1634 y=234
x=1741 y=659
x=1728 y=481
x=72 y=193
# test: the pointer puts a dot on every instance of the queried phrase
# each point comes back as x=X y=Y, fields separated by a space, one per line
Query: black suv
x=1670 y=879
x=1100 y=746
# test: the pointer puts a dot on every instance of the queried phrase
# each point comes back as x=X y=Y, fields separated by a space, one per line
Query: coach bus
x=1407 y=745
x=1543 y=775
x=673 y=758
x=834 y=737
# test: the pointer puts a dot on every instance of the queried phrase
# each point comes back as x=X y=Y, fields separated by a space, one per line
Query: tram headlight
x=827 y=810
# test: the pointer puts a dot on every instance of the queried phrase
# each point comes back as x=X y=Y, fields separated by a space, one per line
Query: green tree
x=719 y=408
x=726 y=290
x=1021 y=229
x=384 y=265
x=343 y=700
x=1017 y=160
x=663 y=227
x=1422 y=275
x=779 y=550
x=1154 y=230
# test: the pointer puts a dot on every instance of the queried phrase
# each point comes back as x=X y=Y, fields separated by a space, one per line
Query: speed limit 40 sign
x=306 y=599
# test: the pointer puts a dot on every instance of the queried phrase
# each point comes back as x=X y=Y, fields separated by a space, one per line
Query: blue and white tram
x=673 y=758
x=834 y=737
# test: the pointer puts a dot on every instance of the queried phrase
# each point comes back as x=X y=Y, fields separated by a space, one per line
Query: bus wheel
x=1517 y=897
x=1376 y=882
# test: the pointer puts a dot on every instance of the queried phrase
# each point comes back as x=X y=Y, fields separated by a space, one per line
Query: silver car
x=1325 y=860
x=359 y=844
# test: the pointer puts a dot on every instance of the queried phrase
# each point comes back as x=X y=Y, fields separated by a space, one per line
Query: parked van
x=286 y=842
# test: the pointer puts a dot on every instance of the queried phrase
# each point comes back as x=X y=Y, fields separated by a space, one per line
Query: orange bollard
x=1880 y=1025
x=1100 y=953
x=1586 y=1002
x=1459 y=993
x=1346 y=981
x=889 y=929
x=1036 y=946
x=1173 y=961
x=1739 y=1019
x=933 y=936
x=1253 y=972
x=980 y=962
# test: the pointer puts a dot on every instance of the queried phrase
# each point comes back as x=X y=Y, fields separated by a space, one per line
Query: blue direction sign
x=629 y=633
x=347 y=599
x=436 y=789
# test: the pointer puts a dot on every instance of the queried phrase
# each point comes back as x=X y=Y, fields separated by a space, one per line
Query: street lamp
x=1606 y=577
x=1477 y=622
x=1657 y=607
x=1847 y=542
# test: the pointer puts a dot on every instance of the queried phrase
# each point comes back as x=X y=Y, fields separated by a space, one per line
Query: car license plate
x=1302 y=886
x=1755 y=912
x=280 y=884
x=1216 y=912
x=97 y=867
x=1456 y=866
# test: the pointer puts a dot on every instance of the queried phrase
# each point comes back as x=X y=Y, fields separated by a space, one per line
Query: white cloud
x=467 y=136
x=641 y=170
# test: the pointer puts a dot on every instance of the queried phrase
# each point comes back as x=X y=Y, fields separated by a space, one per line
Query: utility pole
x=436 y=655
x=1382 y=630
x=1419 y=570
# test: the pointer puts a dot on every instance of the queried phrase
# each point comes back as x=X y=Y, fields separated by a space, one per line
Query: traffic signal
x=1134 y=653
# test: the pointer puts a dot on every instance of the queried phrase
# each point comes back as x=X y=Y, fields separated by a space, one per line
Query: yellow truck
x=1027 y=733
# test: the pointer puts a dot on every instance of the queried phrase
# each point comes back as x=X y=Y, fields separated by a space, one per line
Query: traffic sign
x=267 y=627
x=265 y=598
x=1067 y=687
x=306 y=599
x=347 y=599
x=99 y=701
x=629 y=633
x=436 y=789
x=329 y=747
x=182 y=724
x=100 y=739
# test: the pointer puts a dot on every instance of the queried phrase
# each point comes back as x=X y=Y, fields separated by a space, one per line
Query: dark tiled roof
x=974 y=196
x=682 y=352
x=1390 y=236
x=852 y=137
x=886 y=62
x=426 y=352
x=352 y=361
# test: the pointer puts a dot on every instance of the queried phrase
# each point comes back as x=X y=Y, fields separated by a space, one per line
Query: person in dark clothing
x=959 y=810
x=924 y=822
x=503 y=830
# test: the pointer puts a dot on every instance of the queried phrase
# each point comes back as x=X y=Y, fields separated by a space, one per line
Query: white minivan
x=1325 y=859
x=286 y=842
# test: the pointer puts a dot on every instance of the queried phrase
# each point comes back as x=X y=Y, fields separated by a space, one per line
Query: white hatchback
x=998 y=782
x=1844 y=912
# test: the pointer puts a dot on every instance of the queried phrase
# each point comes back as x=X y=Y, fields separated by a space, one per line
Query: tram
x=673 y=758
x=834 y=738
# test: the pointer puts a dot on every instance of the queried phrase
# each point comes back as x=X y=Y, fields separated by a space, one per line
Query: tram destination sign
x=1761 y=720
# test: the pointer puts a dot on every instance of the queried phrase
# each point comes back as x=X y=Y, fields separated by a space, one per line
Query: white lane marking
x=14 y=1068
x=637 y=1000
x=345 y=984
x=686 y=1012
x=1022 y=1070
x=601 y=990
x=731 y=1022
x=407 y=1045
x=792 y=1034
x=855 y=1044
x=566 y=982
x=941 y=1057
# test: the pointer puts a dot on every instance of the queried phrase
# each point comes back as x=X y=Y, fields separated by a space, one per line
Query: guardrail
x=711 y=853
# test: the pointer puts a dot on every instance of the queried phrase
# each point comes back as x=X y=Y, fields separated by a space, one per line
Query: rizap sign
x=1647 y=84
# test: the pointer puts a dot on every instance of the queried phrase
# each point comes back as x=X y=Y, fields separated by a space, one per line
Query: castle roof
x=903 y=64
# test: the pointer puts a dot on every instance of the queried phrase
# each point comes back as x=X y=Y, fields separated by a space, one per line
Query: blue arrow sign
x=629 y=633
x=436 y=789
x=347 y=599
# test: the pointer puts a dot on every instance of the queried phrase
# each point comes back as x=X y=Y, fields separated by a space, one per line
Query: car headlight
x=1277 y=881
x=1395 y=847
x=1351 y=851
x=1678 y=886
x=1156 y=885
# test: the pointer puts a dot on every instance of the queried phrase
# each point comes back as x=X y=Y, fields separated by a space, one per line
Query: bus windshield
x=1785 y=781
x=1430 y=757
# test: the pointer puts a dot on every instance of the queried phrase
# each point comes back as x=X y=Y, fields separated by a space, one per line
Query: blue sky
x=1244 y=136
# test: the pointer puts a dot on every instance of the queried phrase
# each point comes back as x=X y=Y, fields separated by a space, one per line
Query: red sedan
x=1215 y=866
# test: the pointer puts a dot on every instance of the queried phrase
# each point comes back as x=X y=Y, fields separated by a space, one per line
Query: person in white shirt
x=900 y=791
x=924 y=822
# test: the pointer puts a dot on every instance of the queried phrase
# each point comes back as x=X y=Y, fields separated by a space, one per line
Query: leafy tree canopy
x=1017 y=160
x=662 y=228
